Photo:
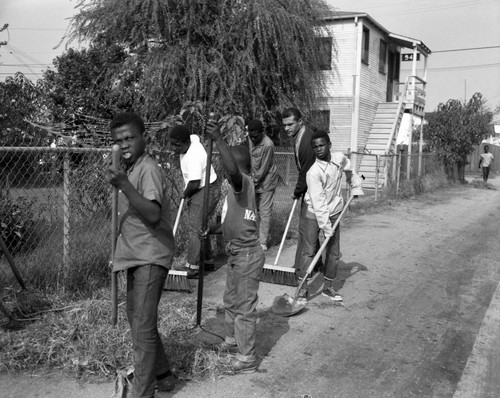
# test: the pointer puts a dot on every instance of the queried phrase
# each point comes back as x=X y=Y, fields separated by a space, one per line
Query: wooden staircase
x=381 y=140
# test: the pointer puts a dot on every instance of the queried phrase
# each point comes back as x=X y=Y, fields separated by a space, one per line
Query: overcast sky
x=456 y=31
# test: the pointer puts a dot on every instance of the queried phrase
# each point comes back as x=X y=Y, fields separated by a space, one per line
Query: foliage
x=21 y=99
x=16 y=222
x=242 y=57
x=456 y=128
x=85 y=81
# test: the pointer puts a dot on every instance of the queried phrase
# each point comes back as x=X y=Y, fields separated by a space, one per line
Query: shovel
x=286 y=305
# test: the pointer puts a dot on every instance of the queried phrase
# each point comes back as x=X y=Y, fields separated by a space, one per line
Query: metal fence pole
x=376 y=177
x=66 y=216
x=398 y=173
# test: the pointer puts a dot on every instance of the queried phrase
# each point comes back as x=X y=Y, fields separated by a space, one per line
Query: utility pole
x=4 y=27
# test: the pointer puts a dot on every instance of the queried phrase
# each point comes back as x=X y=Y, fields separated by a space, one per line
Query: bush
x=17 y=220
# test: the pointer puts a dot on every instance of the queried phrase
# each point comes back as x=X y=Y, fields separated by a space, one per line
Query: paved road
x=421 y=315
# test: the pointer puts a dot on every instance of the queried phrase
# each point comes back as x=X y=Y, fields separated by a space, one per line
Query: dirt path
x=418 y=278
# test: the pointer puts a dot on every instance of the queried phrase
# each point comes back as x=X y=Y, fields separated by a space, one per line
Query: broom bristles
x=177 y=281
x=279 y=275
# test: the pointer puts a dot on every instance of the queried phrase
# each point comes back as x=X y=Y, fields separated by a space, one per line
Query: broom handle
x=286 y=231
x=115 y=159
x=204 y=223
x=320 y=251
x=178 y=217
x=10 y=260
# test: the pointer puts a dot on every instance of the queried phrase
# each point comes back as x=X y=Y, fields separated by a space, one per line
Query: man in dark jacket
x=304 y=159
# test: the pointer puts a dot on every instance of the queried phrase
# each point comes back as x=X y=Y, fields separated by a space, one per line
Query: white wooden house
x=365 y=100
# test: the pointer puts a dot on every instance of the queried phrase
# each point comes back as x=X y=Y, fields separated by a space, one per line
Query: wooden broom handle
x=115 y=161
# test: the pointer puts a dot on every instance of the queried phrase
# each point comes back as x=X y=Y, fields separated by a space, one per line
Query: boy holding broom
x=144 y=248
x=245 y=255
x=324 y=203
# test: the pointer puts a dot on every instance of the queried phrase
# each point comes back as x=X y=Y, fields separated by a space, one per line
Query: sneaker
x=264 y=247
x=166 y=383
x=230 y=348
x=332 y=294
x=238 y=366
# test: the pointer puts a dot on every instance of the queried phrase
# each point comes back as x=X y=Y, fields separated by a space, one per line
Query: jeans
x=302 y=230
x=331 y=253
x=244 y=269
x=195 y=210
x=264 y=202
x=486 y=173
x=144 y=289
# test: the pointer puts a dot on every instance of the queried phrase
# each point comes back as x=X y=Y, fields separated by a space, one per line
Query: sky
x=463 y=35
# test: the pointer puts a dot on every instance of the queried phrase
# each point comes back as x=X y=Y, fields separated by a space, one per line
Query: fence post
x=394 y=166
x=398 y=174
x=66 y=216
x=376 y=177
x=287 y=172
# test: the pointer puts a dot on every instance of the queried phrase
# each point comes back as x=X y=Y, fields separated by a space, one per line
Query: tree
x=455 y=129
x=21 y=99
x=240 y=57
x=85 y=81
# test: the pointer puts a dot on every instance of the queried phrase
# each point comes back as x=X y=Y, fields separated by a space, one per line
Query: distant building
x=366 y=103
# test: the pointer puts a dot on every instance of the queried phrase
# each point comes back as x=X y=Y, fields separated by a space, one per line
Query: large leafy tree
x=456 y=128
x=21 y=100
x=243 y=57
x=84 y=81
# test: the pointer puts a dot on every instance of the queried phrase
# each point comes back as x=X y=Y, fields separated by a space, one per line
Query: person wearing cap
x=324 y=203
x=193 y=159
x=264 y=175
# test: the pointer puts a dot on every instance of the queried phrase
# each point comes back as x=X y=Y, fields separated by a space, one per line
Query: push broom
x=273 y=273
x=177 y=280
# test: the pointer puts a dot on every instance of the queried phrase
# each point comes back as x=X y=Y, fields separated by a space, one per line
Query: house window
x=382 y=56
x=321 y=120
x=366 y=45
x=325 y=52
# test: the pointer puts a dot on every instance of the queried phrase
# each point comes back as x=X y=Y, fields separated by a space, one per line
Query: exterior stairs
x=381 y=141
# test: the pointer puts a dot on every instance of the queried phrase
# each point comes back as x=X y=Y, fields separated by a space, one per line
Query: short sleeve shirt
x=139 y=243
x=194 y=163
x=487 y=159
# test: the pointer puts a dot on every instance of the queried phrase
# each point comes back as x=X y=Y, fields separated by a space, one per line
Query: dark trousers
x=331 y=253
x=244 y=268
x=302 y=230
x=486 y=173
x=144 y=289
x=195 y=214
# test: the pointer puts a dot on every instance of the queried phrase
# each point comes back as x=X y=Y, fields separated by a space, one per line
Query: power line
x=465 y=49
x=445 y=68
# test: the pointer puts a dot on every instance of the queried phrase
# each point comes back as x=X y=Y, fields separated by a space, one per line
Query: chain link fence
x=55 y=213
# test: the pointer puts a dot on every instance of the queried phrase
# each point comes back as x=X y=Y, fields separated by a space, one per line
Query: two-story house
x=366 y=100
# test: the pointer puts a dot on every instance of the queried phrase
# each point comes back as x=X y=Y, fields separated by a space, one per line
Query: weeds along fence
x=55 y=213
x=390 y=172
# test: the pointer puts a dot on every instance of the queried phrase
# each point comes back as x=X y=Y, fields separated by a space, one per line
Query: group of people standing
x=145 y=243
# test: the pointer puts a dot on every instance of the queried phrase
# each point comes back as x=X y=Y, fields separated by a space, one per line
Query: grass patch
x=77 y=339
